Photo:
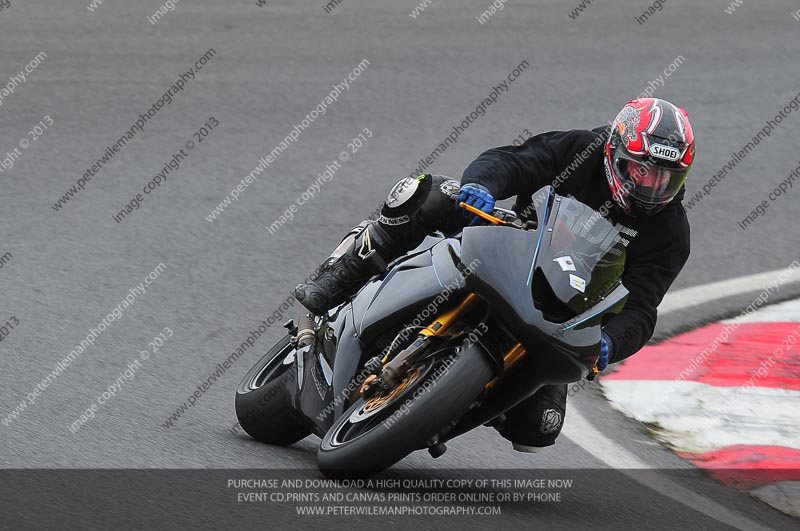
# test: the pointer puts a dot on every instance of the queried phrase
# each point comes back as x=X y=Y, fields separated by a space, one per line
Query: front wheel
x=377 y=432
x=262 y=400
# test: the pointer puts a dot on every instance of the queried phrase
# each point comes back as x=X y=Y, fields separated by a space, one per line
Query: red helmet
x=648 y=155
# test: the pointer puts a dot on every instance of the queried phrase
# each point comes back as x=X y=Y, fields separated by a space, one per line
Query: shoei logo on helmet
x=665 y=152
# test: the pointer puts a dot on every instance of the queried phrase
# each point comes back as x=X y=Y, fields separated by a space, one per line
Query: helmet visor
x=648 y=182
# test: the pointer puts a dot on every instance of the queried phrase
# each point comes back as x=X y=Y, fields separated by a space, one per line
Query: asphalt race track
x=65 y=267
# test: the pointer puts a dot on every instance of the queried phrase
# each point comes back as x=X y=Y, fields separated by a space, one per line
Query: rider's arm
x=521 y=170
x=648 y=278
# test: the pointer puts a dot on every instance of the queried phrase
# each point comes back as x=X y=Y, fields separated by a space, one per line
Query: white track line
x=584 y=434
x=784 y=312
x=688 y=297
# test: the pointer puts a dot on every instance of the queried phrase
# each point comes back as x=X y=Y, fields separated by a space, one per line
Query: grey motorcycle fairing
x=508 y=268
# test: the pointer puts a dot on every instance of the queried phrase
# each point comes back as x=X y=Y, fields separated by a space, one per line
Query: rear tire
x=366 y=440
x=262 y=399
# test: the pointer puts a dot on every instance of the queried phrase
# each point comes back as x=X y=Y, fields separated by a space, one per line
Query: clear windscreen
x=585 y=257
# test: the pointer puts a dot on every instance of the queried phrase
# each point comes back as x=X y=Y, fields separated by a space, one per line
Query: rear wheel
x=262 y=398
x=379 y=431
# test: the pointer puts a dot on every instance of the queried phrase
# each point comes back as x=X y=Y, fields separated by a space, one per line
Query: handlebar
x=498 y=216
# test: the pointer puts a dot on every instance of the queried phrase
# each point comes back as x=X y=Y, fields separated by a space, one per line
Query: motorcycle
x=446 y=339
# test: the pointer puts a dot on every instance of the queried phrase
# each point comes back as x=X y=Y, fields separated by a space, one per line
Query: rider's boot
x=414 y=207
x=534 y=423
x=363 y=253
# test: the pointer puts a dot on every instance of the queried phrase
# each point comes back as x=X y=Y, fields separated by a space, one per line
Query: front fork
x=387 y=373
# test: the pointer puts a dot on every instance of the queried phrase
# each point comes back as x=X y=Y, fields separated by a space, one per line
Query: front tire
x=262 y=398
x=368 y=438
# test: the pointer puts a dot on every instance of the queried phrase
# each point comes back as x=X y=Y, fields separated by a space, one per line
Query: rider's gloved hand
x=478 y=196
x=606 y=347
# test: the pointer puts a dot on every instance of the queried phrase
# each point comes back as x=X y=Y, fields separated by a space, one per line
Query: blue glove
x=605 y=351
x=478 y=196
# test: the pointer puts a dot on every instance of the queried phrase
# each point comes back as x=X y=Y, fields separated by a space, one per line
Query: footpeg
x=437 y=450
x=291 y=327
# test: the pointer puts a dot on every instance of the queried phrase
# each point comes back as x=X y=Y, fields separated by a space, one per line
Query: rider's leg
x=413 y=208
x=535 y=422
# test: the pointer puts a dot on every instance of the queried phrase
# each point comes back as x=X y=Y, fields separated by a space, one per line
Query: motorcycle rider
x=645 y=155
